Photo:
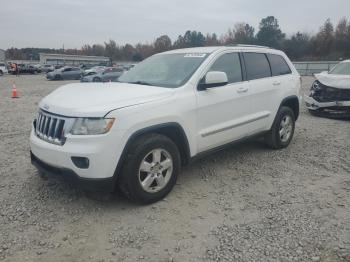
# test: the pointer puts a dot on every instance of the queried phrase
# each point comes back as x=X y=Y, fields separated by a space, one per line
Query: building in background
x=2 y=55
x=73 y=60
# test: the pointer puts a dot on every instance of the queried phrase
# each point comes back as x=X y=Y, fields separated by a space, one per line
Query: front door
x=224 y=113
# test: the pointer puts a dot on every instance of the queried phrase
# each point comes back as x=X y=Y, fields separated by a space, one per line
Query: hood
x=337 y=81
x=97 y=99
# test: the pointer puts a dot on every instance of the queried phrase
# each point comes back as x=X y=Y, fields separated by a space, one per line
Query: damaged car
x=330 y=92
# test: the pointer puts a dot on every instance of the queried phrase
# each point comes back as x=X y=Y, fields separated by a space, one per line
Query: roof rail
x=256 y=46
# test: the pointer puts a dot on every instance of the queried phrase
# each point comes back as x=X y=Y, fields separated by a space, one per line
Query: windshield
x=341 y=69
x=164 y=70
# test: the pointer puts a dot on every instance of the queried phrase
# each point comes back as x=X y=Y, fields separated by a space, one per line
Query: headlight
x=92 y=126
x=316 y=85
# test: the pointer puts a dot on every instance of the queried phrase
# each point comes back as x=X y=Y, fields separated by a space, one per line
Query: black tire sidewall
x=131 y=169
x=96 y=79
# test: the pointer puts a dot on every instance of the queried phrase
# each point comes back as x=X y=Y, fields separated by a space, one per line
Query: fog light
x=81 y=162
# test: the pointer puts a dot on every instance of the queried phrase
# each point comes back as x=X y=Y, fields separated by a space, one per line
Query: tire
x=146 y=149
x=285 y=120
x=96 y=79
x=1 y=73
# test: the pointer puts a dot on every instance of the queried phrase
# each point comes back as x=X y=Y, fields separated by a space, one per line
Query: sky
x=73 y=23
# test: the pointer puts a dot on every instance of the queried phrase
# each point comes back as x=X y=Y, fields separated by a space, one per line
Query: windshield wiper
x=141 y=83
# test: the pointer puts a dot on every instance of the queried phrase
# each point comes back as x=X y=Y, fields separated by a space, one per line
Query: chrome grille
x=50 y=127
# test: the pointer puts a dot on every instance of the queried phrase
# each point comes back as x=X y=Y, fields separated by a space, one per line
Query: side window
x=231 y=65
x=279 y=66
x=257 y=65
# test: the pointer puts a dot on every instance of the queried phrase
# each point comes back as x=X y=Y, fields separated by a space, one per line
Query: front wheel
x=150 y=169
x=282 y=130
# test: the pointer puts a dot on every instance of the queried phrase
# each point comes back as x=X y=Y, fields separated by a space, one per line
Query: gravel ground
x=247 y=203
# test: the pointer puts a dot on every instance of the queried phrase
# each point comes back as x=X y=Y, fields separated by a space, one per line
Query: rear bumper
x=94 y=184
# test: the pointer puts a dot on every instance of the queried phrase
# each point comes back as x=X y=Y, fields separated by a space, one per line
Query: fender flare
x=292 y=98
x=155 y=129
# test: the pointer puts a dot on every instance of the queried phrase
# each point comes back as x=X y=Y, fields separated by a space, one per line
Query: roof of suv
x=212 y=49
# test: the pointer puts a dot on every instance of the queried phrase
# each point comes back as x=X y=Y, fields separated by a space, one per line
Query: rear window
x=257 y=65
x=279 y=66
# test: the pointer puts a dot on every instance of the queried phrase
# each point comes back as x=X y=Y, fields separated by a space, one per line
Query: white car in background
x=330 y=92
x=166 y=111
x=3 y=68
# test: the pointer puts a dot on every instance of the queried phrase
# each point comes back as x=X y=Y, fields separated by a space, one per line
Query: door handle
x=276 y=83
x=242 y=90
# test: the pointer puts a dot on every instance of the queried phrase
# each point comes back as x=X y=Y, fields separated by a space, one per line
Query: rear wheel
x=282 y=130
x=96 y=79
x=150 y=169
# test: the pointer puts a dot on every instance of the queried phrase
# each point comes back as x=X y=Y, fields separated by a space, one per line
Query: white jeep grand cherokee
x=169 y=109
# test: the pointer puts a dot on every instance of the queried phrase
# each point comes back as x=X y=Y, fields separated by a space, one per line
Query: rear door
x=262 y=88
x=224 y=113
x=268 y=91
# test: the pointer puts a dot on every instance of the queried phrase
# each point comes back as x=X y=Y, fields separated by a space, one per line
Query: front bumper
x=102 y=151
x=50 y=76
x=312 y=104
x=85 y=80
x=103 y=185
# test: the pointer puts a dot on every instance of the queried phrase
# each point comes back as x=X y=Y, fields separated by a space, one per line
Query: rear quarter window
x=257 y=65
x=279 y=66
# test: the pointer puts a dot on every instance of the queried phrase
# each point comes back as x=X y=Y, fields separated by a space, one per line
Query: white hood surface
x=332 y=80
x=97 y=99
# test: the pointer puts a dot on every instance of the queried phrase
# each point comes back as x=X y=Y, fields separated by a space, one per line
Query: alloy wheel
x=155 y=170
x=286 y=128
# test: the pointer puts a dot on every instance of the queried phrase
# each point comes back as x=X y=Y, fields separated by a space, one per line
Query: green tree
x=211 y=40
x=98 y=50
x=324 y=40
x=298 y=46
x=111 y=50
x=162 y=43
x=270 y=33
x=243 y=34
x=341 y=37
x=190 y=39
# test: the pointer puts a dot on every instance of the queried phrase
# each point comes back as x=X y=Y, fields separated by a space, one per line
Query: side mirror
x=213 y=79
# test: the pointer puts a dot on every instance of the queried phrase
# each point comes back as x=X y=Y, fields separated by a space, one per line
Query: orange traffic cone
x=14 y=91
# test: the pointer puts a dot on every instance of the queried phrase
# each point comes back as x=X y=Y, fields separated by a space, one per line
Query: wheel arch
x=172 y=130
x=293 y=103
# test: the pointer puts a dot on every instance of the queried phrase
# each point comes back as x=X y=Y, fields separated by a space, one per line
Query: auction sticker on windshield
x=195 y=55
